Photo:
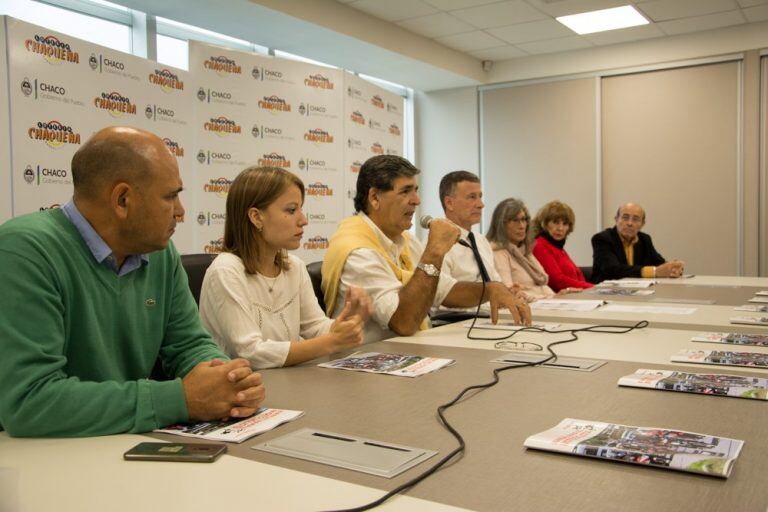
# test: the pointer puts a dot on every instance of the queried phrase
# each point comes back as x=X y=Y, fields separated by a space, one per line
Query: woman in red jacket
x=551 y=227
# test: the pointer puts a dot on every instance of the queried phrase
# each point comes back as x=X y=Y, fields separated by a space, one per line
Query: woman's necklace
x=270 y=281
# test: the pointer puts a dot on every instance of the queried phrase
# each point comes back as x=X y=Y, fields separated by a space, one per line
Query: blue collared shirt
x=99 y=248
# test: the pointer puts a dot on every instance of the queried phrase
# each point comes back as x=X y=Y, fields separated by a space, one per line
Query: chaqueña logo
x=222 y=65
x=319 y=82
x=318 y=189
x=115 y=103
x=167 y=80
x=214 y=246
x=174 y=147
x=394 y=129
x=218 y=186
x=318 y=136
x=316 y=243
x=357 y=117
x=54 y=134
x=274 y=104
x=208 y=218
x=222 y=126
x=52 y=207
x=376 y=148
x=391 y=107
x=355 y=166
x=376 y=101
x=274 y=160
x=52 y=49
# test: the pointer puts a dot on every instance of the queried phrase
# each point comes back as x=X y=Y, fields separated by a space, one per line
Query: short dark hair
x=450 y=180
x=379 y=172
x=101 y=161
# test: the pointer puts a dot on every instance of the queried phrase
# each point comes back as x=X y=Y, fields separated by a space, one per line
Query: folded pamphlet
x=235 y=430
x=722 y=357
x=627 y=283
x=657 y=447
x=716 y=384
x=401 y=365
x=749 y=320
x=733 y=338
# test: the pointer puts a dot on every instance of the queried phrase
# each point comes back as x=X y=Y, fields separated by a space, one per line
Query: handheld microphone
x=425 y=220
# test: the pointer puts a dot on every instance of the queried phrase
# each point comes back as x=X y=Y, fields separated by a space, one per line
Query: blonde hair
x=553 y=211
x=254 y=187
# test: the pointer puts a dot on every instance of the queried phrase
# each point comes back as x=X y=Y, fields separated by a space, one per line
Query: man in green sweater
x=92 y=293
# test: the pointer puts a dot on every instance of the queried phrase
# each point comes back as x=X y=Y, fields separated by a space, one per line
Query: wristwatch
x=429 y=269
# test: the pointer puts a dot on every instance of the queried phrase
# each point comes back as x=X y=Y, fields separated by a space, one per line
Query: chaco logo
x=355 y=167
x=274 y=104
x=216 y=157
x=376 y=101
x=391 y=107
x=208 y=218
x=311 y=163
x=268 y=132
x=52 y=49
x=26 y=87
x=312 y=110
x=174 y=147
x=215 y=96
x=393 y=151
x=222 y=65
x=357 y=117
x=40 y=174
x=155 y=111
x=274 y=160
x=222 y=126
x=115 y=103
x=375 y=125
x=354 y=143
x=394 y=129
x=54 y=134
x=262 y=73
x=316 y=243
x=376 y=148
x=167 y=80
x=316 y=216
x=318 y=189
x=318 y=136
x=318 y=81
x=105 y=64
x=354 y=92
x=218 y=186
x=214 y=246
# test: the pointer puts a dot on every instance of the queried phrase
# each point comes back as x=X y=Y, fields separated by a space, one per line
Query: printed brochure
x=754 y=308
x=401 y=365
x=657 y=447
x=722 y=357
x=760 y=299
x=716 y=384
x=236 y=430
x=566 y=304
x=632 y=292
x=733 y=338
x=750 y=320
x=627 y=283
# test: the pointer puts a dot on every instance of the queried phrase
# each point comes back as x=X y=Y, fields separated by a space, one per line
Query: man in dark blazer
x=623 y=251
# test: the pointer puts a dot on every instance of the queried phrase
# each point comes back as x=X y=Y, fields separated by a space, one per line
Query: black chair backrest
x=317 y=279
x=196 y=265
x=587 y=271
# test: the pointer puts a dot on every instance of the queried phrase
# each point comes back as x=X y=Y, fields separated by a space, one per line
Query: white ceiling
x=500 y=30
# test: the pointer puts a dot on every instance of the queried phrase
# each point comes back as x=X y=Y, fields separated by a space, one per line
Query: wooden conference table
x=496 y=472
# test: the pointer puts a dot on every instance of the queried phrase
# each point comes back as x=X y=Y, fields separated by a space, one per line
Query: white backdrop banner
x=6 y=189
x=62 y=90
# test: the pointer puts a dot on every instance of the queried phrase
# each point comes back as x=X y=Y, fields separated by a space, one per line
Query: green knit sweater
x=77 y=342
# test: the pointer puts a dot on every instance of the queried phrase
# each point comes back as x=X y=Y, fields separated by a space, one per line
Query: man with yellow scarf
x=375 y=251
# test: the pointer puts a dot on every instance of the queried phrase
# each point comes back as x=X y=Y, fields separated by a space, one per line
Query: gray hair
x=504 y=212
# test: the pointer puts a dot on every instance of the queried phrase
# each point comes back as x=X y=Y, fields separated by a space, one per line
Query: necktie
x=478 y=259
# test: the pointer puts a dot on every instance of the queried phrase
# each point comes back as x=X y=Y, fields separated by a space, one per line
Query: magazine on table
x=716 y=384
x=657 y=447
x=402 y=365
x=234 y=430
x=722 y=357
x=627 y=283
x=631 y=292
x=749 y=320
x=733 y=338
x=754 y=308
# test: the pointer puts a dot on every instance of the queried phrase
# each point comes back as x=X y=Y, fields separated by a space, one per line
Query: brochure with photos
x=627 y=283
x=621 y=291
x=236 y=430
x=657 y=447
x=733 y=338
x=722 y=357
x=402 y=365
x=754 y=308
x=716 y=384
x=750 y=320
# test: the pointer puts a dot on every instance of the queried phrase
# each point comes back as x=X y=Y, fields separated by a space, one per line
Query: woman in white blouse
x=510 y=239
x=257 y=300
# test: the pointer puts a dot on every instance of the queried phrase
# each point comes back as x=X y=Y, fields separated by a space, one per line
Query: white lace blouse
x=256 y=317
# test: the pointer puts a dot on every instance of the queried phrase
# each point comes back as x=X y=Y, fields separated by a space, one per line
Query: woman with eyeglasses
x=551 y=228
x=257 y=300
x=510 y=239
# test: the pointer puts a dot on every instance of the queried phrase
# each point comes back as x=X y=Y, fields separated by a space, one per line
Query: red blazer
x=563 y=272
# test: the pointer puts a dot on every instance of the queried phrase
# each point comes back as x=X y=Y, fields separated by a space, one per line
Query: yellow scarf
x=355 y=233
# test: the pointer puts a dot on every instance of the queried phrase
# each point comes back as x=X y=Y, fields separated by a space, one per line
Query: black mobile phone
x=176 y=452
